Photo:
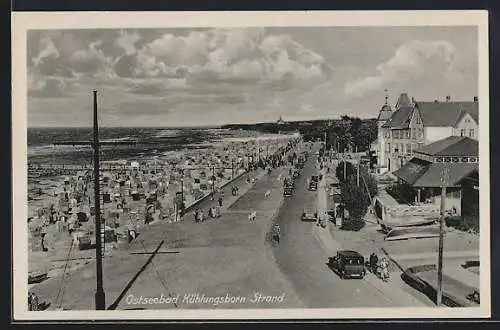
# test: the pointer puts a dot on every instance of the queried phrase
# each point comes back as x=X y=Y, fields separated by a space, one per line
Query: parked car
x=287 y=191
x=296 y=174
x=313 y=185
x=309 y=215
x=348 y=264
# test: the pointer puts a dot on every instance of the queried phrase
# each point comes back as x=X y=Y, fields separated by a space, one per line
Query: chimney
x=448 y=98
x=475 y=99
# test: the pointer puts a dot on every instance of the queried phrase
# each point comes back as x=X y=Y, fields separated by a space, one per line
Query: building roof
x=400 y=118
x=403 y=101
x=419 y=174
x=451 y=146
x=412 y=170
x=446 y=113
x=457 y=171
x=385 y=113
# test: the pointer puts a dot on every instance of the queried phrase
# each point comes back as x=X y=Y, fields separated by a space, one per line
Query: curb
x=409 y=277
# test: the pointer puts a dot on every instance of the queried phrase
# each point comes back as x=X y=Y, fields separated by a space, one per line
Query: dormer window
x=455 y=159
x=439 y=159
x=447 y=159
x=472 y=159
x=465 y=160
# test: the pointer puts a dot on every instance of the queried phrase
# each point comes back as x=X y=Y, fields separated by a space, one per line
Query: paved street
x=303 y=259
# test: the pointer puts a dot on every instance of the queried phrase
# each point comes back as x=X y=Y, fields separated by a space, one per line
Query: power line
x=159 y=276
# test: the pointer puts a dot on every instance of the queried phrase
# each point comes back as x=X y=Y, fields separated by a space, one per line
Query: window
x=455 y=159
x=465 y=160
x=471 y=133
x=408 y=148
x=447 y=159
x=462 y=132
x=439 y=159
x=407 y=134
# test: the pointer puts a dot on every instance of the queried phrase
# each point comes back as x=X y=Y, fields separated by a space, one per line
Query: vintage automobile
x=315 y=178
x=348 y=264
x=313 y=185
x=295 y=174
x=287 y=191
x=309 y=215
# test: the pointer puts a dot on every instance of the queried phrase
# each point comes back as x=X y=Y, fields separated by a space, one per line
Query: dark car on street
x=348 y=264
x=295 y=175
x=308 y=214
x=313 y=185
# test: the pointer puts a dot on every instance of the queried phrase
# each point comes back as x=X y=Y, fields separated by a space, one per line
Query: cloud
x=49 y=87
x=426 y=60
x=235 y=55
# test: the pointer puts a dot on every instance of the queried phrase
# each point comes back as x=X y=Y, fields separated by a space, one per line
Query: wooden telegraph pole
x=213 y=179
x=357 y=170
x=444 y=182
x=345 y=166
x=100 y=297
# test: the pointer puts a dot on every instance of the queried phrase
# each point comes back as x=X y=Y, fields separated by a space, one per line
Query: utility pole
x=213 y=179
x=345 y=166
x=324 y=147
x=444 y=181
x=232 y=169
x=100 y=297
x=182 y=195
x=357 y=172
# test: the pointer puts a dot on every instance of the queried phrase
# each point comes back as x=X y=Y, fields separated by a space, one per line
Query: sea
x=44 y=143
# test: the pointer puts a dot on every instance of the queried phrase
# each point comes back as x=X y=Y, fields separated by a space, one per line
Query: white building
x=414 y=124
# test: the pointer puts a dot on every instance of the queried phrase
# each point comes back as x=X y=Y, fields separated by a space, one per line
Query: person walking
x=220 y=201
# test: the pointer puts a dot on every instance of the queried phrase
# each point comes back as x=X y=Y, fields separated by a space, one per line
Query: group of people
x=213 y=212
x=379 y=267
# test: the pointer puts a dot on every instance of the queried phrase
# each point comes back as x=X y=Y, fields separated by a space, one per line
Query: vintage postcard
x=250 y=165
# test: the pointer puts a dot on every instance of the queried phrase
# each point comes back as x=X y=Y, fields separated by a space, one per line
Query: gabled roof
x=400 y=118
x=385 y=113
x=446 y=113
x=451 y=146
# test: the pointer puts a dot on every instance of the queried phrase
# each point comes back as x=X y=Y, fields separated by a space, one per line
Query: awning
x=456 y=172
x=412 y=170
x=420 y=174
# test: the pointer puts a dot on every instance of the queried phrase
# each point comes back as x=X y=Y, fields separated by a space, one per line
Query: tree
x=339 y=171
x=370 y=181
x=356 y=202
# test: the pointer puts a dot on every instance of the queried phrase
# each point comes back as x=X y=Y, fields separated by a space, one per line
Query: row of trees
x=355 y=198
x=344 y=133
x=348 y=133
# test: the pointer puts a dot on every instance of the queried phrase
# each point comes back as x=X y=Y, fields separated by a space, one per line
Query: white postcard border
x=24 y=21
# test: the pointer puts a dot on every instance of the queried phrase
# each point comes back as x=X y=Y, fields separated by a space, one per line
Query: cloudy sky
x=188 y=77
